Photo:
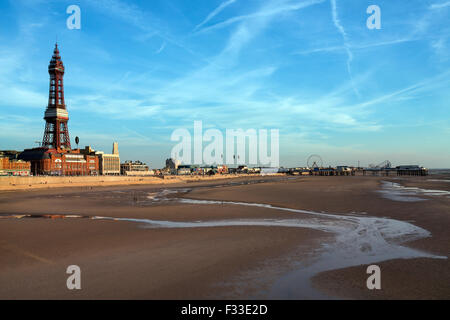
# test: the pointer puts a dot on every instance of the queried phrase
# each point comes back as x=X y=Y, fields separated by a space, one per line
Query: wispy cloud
x=161 y=48
x=214 y=13
x=114 y=107
x=356 y=46
x=16 y=87
x=428 y=85
x=270 y=10
x=440 y=5
x=22 y=96
x=440 y=48
x=341 y=30
x=148 y=23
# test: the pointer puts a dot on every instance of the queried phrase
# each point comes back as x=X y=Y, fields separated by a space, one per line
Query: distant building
x=242 y=169
x=14 y=167
x=222 y=169
x=172 y=163
x=137 y=168
x=171 y=166
x=51 y=162
x=268 y=171
x=232 y=170
x=184 y=170
x=254 y=170
x=109 y=164
x=411 y=170
x=207 y=170
x=197 y=170
x=282 y=170
x=11 y=154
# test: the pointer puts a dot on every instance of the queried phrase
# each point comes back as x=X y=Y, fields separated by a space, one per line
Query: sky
x=138 y=70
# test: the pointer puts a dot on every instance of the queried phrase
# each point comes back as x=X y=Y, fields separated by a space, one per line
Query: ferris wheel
x=314 y=161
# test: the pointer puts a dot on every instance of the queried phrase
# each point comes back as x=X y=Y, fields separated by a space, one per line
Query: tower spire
x=56 y=134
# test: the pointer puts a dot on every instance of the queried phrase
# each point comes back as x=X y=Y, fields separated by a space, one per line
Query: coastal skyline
x=136 y=71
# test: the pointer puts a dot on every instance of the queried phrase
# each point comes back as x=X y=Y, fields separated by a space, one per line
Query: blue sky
x=137 y=70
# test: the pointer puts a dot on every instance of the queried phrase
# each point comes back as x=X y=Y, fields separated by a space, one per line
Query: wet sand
x=136 y=260
x=405 y=278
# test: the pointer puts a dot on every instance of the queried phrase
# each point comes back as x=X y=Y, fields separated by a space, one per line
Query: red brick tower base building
x=55 y=156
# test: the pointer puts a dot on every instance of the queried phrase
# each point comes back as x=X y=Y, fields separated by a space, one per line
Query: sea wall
x=23 y=183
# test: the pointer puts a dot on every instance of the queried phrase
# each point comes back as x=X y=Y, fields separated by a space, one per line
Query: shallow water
x=359 y=240
x=396 y=192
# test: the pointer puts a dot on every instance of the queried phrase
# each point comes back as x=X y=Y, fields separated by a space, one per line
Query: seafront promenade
x=39 y=182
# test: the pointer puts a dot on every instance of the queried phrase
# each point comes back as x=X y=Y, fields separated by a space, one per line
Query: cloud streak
x=428 y=85
x=268 y=11
x=440 y=5
x=341 y=30
x=148 y=23
x=163 y=46
x=214 y=13
x=356 y=46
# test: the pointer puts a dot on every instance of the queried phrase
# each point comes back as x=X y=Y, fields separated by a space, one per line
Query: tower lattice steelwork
x=56 y=134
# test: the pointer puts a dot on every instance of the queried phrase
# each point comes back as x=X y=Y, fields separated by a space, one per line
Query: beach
x=14 y=183
x=268 y=237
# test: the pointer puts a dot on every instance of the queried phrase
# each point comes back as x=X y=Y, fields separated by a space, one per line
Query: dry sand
x=121 y=259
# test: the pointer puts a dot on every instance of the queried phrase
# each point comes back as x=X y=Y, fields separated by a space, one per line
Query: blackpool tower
x=56 y=134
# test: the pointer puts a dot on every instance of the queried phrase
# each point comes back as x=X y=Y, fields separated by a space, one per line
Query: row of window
x=52 y=101
x=72 y=167
x=52 y=94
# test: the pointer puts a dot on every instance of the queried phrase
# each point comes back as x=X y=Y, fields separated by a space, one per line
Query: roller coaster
x=384 y=165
